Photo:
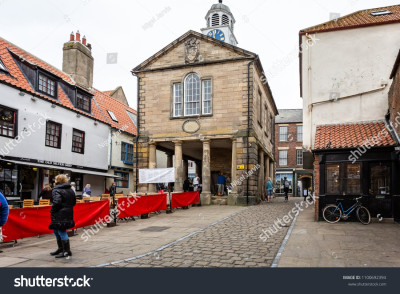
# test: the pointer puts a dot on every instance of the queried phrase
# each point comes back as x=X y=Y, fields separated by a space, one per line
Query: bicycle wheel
x=363 y=215
x=332 y=214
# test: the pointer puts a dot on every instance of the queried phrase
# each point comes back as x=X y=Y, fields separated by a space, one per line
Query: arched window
x=215 y=20
x=192 y=94
x=225 y=19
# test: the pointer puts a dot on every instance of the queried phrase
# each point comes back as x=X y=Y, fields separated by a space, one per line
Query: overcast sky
x=137 y=29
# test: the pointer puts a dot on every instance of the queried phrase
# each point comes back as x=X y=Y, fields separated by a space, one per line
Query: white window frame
x=281 y=158
x=203 y=98
x=174 y=90
x=299 y=157
x=185 y=97
x=280 y=134
x=112 y=115
x=297 y=131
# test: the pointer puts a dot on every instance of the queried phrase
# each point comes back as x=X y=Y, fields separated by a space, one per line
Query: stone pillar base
x=242 y=200
x=232 y=199
x=205 y=198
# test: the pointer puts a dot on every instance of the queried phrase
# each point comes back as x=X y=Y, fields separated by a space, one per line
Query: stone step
x=219 y=200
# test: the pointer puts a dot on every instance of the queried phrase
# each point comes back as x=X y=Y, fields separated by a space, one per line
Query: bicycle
x=333 y=213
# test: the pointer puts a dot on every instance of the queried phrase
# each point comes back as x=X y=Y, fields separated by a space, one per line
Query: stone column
x=152 y=164
x=261 y=188
x=267 y=168
x=271 y=170
x=234 y=166
x=206 y=176
x=178 y=187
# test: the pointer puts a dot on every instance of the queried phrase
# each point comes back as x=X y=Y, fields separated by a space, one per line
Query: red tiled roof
x=357 y=19
x=124 y=123
x=353 y=135
x=101 y=101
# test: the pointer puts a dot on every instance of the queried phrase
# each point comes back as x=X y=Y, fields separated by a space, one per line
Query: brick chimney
x=78 y=60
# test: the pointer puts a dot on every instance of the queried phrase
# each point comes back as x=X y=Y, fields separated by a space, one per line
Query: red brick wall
x=292 y=144
x=394 y=102
x=316 y=186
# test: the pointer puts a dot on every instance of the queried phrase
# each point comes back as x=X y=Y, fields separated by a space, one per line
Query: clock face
x=217 y=34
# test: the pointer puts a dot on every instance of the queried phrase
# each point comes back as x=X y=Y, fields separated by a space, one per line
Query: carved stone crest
x=192 y=50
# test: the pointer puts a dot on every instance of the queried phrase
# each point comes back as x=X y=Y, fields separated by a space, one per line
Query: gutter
x=138 y=132
x=248 y=126
x=382 y=87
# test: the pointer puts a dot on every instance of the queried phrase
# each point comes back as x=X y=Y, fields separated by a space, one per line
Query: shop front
x=375 y=176
x=25 y=178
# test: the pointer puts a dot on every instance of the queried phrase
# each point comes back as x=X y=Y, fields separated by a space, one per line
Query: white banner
x=157 y=175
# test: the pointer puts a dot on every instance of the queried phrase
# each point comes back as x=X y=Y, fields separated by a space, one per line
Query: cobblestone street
x=233 y=242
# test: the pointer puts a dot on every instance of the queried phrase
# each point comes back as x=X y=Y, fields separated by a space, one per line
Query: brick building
x=289 y=153
x=203 y=99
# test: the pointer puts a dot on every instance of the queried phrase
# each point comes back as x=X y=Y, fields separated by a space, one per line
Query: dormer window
x=46 y=85
x=112 y=115
x=215 y=20
x=83 y=102
x=380 y=12
x=2 y=67
x=225 y=20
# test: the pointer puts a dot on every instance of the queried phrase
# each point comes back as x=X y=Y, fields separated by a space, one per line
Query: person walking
x=221 y=184
x=286 y=189
x=196 y=183
x=270 y=190
x=4 y=211
x=87 y=192
x=46 y=193
x=62 y=215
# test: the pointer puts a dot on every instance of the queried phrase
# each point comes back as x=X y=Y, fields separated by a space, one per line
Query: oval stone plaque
x=191 y=126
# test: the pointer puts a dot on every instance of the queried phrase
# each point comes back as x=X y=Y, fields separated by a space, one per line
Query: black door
x=380 y=194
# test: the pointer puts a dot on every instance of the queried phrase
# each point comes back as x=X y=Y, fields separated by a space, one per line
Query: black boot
x=66 y=250
x=59 y=250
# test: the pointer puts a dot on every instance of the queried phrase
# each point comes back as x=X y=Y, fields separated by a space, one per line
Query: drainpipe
x=111 y=146
x=248 y=126
x=137 y=135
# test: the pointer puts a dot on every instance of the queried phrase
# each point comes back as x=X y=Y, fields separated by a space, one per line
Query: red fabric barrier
x=134 y=206
x=184 y=199
x=30 y=222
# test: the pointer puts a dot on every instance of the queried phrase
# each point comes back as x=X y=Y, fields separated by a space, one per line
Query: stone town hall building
x=202 y=98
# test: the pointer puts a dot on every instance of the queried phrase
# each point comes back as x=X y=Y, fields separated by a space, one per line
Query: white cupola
x=220 y=24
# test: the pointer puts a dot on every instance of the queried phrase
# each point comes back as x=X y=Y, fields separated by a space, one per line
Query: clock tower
x=220 y=24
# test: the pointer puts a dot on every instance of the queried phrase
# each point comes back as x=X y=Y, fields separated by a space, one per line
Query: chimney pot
x=89 y=46
x=72 y=37
x=78 y=36
x=84 y=40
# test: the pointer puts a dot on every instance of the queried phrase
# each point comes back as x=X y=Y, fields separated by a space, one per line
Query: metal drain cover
x=154 y=229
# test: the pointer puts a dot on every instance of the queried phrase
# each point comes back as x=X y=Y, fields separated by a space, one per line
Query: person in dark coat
x=113 y=189
x=4 y=211
x=186 y=185
x=46 y=193
x=62 y=215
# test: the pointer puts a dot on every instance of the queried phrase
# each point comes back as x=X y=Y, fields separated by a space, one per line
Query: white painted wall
x=348 y=62
x=33 y=146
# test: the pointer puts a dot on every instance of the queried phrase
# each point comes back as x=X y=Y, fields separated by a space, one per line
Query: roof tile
x=353 y=135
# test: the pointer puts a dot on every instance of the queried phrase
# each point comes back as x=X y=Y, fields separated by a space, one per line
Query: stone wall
x=394 y=102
